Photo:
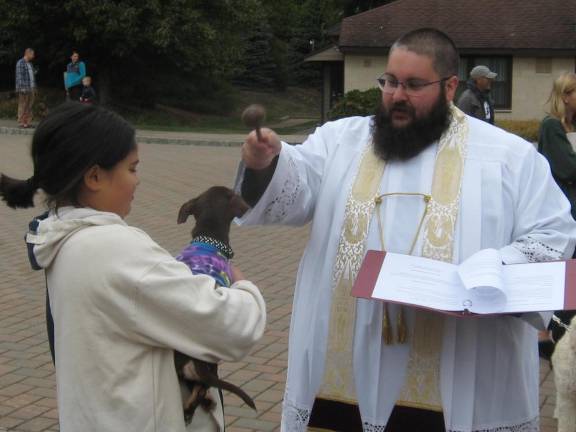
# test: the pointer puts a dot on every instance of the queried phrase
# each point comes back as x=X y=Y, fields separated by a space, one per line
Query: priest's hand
x=257 y=153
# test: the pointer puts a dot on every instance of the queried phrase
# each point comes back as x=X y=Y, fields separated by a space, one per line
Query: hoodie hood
x=48 y=232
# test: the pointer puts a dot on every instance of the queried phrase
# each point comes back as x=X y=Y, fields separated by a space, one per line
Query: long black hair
x=68 y=142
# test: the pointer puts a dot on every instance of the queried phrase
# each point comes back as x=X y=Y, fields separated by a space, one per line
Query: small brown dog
x=208 y=253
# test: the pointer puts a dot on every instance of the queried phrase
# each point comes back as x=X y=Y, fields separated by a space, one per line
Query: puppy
x=208 y=253
x=564 y=367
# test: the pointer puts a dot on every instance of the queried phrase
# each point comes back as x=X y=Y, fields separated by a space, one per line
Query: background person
x=75 y=71
x=25 y=88
x=554 y=144
x=88 y=95
x=475 y=100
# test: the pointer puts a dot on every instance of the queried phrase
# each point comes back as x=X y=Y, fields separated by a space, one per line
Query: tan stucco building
x=528 y=43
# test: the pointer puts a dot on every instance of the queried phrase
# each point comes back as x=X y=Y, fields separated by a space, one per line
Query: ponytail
x=68 y=142
x=18 y=193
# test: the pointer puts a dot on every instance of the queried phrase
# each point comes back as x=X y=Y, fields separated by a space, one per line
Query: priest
x=422 y=178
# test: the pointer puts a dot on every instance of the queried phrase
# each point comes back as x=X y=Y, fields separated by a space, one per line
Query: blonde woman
x=553 y=142
x=555 y=145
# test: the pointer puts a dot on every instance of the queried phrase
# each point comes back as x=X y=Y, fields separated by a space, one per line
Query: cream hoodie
x=121 y=305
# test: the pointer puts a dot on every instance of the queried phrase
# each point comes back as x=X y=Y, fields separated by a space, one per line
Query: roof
x=474 y=25
x=331 y=53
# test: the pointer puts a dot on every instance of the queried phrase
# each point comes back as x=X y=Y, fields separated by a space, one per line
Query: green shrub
x=364 y=103
x=527 y=129
x=9 y=107
x=356 y=103
x=45 y=99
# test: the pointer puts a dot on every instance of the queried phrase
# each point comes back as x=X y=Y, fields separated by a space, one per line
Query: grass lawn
x=291 y=112
x=288 y=112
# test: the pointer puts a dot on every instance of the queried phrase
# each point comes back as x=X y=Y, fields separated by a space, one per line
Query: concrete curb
x=147 y=139
x=185 y=141
x=5 y=130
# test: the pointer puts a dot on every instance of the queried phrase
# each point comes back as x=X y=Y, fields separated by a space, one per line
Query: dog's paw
x=199 y=396
x=208 y=402
x=189 y=371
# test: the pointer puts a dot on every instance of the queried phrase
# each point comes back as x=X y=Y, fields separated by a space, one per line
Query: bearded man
x=421 y=178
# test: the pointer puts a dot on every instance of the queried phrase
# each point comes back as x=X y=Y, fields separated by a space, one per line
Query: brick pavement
x=170 y=174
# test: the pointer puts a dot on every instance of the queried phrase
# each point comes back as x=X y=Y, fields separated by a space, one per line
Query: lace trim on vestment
x=277 y=209
x=530 y=426
x=536 y=251
x=294 y=419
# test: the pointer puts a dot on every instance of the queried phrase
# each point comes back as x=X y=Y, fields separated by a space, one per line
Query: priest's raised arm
x=282 y=181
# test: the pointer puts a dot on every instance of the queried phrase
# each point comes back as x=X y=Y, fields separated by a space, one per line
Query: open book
x=481 y=284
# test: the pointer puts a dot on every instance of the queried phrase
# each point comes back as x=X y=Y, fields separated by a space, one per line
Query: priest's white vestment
x=489 y=366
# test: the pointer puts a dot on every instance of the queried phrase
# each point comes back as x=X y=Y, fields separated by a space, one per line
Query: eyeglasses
x=412 y=87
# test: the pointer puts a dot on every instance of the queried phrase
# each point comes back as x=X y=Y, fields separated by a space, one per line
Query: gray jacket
x=477 y=104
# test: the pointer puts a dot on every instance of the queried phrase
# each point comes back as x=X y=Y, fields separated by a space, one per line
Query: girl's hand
x=237 y=275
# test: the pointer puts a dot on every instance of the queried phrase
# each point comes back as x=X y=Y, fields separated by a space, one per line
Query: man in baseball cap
x=475 y=100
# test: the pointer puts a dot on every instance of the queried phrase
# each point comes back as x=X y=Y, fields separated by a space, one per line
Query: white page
x=572 y=138
x=435 y=284
x=419 y=281
x=482 y=276
x=483 y=269
x=535 y=287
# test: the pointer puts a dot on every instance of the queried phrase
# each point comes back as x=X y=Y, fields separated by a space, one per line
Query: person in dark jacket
x=556 y=132
x=88 y=94
x=475 y=100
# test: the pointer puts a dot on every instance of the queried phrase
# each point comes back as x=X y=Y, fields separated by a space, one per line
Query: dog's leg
x=195 y=399
x=199 y=391
x=207 y=373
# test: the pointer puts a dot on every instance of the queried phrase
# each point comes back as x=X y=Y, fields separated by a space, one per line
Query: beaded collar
x=225 y=249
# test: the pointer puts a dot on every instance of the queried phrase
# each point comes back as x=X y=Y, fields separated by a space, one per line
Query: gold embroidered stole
x=338 y=381
x=422 y=378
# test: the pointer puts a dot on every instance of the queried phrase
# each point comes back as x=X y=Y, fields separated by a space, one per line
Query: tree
x=131 y=45
x=142 y=51
x=353 y=7
x=258 y=65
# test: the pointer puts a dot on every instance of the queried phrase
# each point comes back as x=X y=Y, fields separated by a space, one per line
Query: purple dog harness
x=207 y=256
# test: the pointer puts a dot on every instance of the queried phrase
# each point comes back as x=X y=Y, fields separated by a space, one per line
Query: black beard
x=392 y=143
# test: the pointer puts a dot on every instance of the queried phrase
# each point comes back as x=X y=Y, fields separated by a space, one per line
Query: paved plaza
x=170 y=174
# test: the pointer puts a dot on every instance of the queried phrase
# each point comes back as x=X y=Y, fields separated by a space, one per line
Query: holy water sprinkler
x=253 y=117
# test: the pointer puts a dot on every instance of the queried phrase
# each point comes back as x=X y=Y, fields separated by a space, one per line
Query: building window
x=501 y=92
x=544 y=65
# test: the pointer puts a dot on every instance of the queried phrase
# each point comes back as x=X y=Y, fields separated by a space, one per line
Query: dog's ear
x=187 y=209
x=238 y=206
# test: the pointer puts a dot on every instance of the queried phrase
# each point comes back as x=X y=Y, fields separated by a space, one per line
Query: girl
x=555 y=146
x=121 y=304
